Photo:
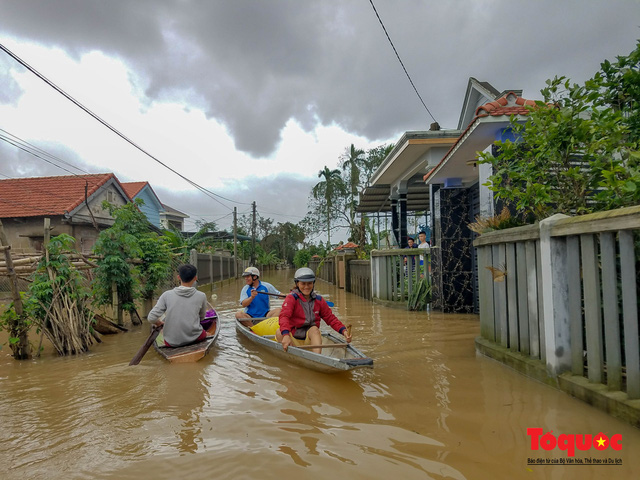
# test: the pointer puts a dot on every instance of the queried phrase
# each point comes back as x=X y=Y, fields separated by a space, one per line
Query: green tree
x=285 y=240
x=123 y=249
x=352 y=162
x=58 y=300
x=303 y=255
x=182 y=244
x=301 y=258
x=155 y=267
x=577 y=152
x=267 y=259
x=336 y=197
x=374 y=158
x=328 y=192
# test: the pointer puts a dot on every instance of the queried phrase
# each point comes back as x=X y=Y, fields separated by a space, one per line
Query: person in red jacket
x=301 y=313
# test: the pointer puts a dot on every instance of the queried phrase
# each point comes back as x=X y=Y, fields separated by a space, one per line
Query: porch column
x=402 y=212
x=394 y=218
x=451 y=263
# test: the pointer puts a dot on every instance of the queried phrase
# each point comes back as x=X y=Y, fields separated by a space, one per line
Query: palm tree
x=327 y=190
x=352 y=160
x=183 y=244
x=268 y=259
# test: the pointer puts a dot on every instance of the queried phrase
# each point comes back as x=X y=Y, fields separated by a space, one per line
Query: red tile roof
x=507 y=105
x=40 y=196
x=133 y=188
x=347 y=245
x=510 y=104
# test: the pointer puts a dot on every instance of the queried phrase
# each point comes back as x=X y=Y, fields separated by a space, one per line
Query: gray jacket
x=183 y=307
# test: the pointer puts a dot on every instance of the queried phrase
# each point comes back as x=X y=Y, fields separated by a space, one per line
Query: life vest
x=310 y=317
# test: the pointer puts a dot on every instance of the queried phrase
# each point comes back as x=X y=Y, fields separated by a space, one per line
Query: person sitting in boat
x=184 y=307
x=255 y=306
x=301 y=313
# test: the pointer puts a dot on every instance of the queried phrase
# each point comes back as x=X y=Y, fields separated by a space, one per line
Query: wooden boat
x=189 y=353
x=342 y=357
x=105 y=326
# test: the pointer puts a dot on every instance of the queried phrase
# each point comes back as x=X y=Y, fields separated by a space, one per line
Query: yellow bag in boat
x=266 y=327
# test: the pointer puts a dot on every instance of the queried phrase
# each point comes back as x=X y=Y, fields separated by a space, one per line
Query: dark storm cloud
x=255 y=64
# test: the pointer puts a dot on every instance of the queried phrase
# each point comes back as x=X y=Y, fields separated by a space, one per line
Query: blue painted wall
x=151 y=207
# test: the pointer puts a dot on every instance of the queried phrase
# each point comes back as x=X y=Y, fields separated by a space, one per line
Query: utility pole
x=235 y=240
x=253 y=235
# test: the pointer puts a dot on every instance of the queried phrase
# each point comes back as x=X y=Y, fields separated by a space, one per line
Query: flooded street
x=430 y=408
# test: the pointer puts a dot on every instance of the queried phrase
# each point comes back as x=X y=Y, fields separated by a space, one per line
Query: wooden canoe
x=188 y=353
x=342 y=357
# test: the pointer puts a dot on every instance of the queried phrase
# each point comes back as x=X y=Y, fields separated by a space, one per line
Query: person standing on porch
x=422 y=236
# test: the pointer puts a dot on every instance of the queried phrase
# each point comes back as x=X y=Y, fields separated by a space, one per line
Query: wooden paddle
x=329 y=345
x=143 y=349
x=331 y=304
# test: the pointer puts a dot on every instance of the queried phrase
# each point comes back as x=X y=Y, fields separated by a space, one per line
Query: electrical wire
x=28 y=147
x=37 y=155
x=283 y=214
x=207 y=192
x=39 y=150
x=11 y=142
x=400 y=60
x=89 y=181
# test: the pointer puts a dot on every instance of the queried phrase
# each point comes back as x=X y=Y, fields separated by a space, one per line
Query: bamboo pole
x=22 y=261
x=22 y=350
x=32 y=268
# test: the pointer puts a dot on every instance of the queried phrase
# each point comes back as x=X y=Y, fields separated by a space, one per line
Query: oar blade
x=143 y=349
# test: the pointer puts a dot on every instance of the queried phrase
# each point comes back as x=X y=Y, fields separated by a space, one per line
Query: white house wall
x=486 y=195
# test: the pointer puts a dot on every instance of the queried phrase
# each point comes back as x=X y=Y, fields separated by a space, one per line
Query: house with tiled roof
x=433 y=176
x=151 y=206
x=170 y=218
x=72 y=203
x=459 y=195
x=347 y=247
x=159 y=214
x=397 y=189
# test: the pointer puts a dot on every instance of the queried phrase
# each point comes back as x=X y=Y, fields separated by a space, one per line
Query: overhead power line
x=207 y=192
x=400 y=60
x=37 y=152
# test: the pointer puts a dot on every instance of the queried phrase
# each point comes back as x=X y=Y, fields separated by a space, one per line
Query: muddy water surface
x=431 y=408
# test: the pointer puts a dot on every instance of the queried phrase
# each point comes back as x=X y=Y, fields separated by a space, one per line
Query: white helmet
x=251 y=271
x=304 y=274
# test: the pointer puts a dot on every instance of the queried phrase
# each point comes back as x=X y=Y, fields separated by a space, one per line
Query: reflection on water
x=430 y=408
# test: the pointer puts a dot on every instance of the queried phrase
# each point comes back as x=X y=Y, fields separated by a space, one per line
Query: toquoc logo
x=548 y=441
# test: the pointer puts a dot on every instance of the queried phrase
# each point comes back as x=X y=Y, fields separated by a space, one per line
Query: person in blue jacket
x=255 y=305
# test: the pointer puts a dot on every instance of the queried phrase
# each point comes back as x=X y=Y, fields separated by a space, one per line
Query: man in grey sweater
x=184 y=307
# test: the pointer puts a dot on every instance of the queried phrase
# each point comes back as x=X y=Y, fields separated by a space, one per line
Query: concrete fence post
x=555 y=290
x=211 y=268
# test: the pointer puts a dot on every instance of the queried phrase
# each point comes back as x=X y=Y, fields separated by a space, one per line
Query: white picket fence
x=565 y=291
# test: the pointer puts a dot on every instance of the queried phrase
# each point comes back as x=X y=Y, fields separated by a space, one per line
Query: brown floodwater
x=430 y=408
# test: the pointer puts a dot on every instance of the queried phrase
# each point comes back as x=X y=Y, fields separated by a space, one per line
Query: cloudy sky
x=251 y=98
